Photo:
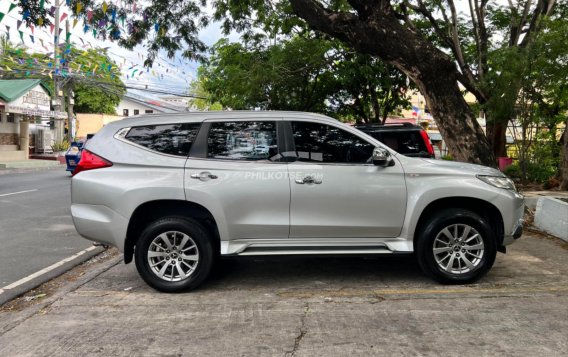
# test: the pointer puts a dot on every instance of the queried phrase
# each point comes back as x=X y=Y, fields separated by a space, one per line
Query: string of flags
x=162 y=70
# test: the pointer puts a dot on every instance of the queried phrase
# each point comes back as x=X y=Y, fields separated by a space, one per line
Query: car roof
x=386 y=127
x=189 y=117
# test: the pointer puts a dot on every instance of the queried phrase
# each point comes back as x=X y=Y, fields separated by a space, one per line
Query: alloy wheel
x=458 y=249
x=173 y=256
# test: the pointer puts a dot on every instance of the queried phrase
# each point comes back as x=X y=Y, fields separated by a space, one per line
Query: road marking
x=16 y=193
x=45 y=270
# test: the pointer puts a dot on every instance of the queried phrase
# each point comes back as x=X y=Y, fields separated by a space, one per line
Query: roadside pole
x=69 y=101
x=58 y=123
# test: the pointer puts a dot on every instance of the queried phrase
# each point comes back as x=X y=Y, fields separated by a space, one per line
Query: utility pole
x=58 y=127
x=69 y=86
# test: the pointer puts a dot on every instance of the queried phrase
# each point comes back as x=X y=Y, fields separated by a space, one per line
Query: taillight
x=90 y=161
x=428 y=143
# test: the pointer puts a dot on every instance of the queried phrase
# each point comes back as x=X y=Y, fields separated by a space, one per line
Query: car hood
x=462 y=167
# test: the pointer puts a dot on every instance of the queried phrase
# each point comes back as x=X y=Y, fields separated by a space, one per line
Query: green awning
x=12 y=89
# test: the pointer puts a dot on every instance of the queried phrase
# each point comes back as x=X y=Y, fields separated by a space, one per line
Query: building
x=132 y=104
x=183 y=102
x=22 y=102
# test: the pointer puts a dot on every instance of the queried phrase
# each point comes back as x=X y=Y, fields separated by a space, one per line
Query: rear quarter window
x=171 y=139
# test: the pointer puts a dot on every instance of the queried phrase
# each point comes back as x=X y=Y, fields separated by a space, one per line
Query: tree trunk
x=376 y=31
x=564 y=159
x=497 y=135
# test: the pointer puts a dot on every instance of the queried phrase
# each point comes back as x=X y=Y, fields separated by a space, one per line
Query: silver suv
x=174 y=192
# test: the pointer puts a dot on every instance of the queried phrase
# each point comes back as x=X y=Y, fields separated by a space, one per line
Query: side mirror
x=382 y=157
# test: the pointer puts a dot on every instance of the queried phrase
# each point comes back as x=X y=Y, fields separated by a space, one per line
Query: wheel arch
x=483 y=208
x=153 y=210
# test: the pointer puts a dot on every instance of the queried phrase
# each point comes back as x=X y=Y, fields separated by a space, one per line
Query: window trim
x=120 y=135
x=199 y=149
x=290 y=134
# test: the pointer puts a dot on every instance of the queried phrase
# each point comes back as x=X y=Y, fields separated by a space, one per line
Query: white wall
x=131 y=105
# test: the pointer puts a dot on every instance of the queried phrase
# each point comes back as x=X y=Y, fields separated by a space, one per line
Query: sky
x=170 y=75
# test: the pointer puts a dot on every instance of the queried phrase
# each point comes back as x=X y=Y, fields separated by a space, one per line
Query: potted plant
x=59 y=149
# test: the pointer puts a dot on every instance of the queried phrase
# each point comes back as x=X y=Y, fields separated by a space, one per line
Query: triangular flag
x=12 y=7
x=75 y=22
x=41 y=4
x=32 y=28
x=89 y=15
x=21 y=35
x=32 y=38
x=7 y=32
x=18 y=24
x=79 y=7
x=51 y=28
x=63 y=17
x=105 y=7
x=1 y=16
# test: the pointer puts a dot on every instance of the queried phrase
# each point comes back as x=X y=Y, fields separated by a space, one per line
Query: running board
x=314 y=250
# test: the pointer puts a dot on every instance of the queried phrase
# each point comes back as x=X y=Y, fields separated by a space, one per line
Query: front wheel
x=174 y=254
x=456 y=247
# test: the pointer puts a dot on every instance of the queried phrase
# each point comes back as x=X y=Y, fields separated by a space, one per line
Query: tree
x=91 y=74
x=305 y=73
x=433 y=57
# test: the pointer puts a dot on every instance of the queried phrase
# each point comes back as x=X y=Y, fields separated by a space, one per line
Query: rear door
x=336 y=191
x=235 y=172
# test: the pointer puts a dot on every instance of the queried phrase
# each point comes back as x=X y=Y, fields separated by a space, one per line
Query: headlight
x=499 y=181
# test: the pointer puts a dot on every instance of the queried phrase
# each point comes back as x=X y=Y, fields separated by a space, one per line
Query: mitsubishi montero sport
x=173 y=192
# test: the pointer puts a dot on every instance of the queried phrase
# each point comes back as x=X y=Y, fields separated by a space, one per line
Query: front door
x=336 y=191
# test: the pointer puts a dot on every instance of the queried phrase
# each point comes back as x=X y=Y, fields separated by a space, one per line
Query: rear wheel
x=456 y=247
x=174 y=254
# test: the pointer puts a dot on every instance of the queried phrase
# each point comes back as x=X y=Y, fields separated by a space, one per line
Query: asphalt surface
x=36 y=229
x=307 y=307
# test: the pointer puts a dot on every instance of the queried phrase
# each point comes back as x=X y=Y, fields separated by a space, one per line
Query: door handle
x=204 y=176
x=308 y=179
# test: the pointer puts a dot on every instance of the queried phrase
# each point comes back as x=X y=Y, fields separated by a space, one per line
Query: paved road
x=36 y=229
x=310 y=307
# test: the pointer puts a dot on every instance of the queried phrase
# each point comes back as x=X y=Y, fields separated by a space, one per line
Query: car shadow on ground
x=278 y=272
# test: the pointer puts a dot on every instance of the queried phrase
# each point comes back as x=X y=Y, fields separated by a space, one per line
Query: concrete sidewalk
x=306 y=307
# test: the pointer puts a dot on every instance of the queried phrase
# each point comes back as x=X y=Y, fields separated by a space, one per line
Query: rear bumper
x=100 y=224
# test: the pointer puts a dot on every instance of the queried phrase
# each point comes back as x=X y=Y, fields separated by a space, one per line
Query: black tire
x=203 y=246
x=451 y=218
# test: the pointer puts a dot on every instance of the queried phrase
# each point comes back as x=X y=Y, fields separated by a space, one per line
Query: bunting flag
x=32 y=38
x=63 y=17
x=32 y=28
x=41 y=4
x=51 y=28
x=105 y=7
x=75 y=22
x=1 y=16
x=18 y=24
x=79 y=8
x=12 y=7
x=8 y=32
x=89 y=15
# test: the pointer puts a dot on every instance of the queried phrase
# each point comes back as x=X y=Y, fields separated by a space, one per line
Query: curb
x=34 y=280
x=14 y=321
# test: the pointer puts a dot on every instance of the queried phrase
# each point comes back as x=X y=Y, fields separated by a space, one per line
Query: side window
x=172 y=139
x=250 y=140
x=325 y=143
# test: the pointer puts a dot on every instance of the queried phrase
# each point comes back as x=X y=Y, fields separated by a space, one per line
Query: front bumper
x=516 y=233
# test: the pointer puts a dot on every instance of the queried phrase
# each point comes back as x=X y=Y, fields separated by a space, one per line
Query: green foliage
x=305 y=73
x=60 y=146
x=93 y=94
x=514 y=171
x=447 y=157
